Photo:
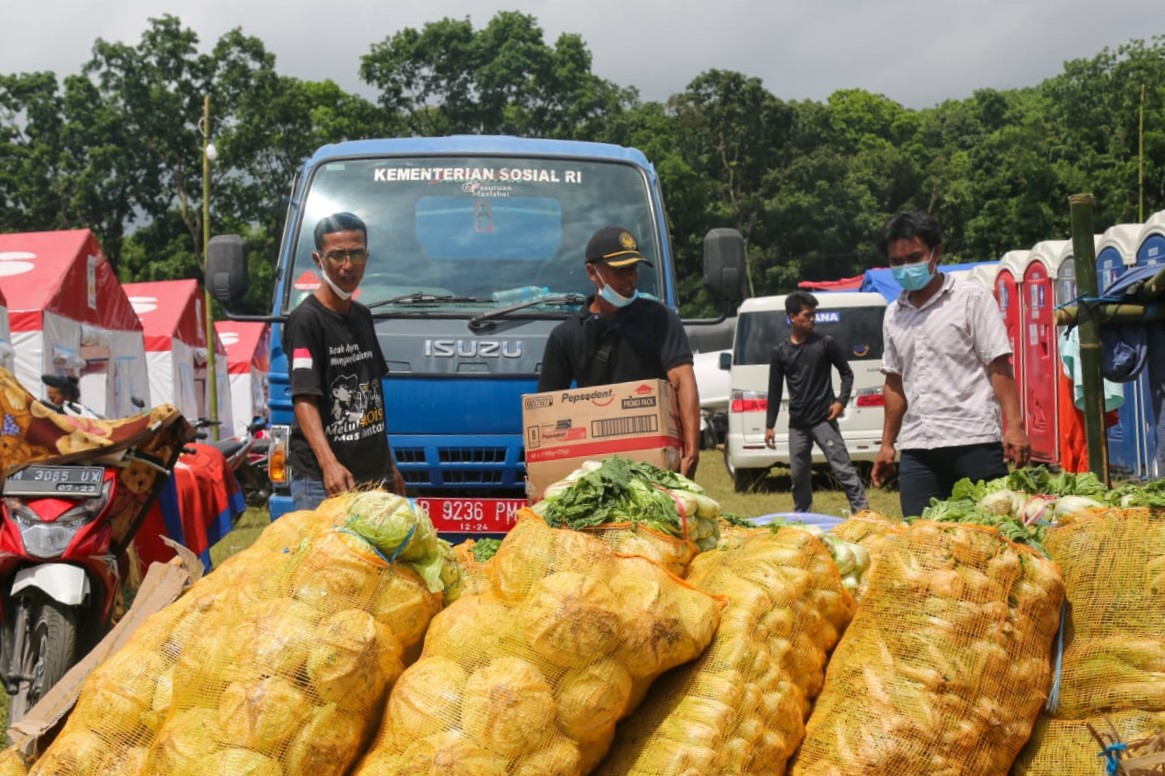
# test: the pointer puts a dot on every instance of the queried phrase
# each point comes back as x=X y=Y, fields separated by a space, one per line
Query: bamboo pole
x=1112 y=313
x=1084 y=250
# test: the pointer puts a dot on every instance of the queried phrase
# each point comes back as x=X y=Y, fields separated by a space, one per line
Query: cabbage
x=389 y=523
x=1001 y=502
x=1066 y=505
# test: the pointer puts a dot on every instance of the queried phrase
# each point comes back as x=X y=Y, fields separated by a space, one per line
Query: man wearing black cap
x=620 y=336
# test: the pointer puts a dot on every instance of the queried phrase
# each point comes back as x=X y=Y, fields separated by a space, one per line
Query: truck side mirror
x=226 y=268
x=726 y=361
x=724 y=268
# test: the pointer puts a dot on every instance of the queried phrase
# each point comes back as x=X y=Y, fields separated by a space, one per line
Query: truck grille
x=455 y=455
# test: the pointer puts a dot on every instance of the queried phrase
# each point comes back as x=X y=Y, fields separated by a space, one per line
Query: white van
x=854 y=320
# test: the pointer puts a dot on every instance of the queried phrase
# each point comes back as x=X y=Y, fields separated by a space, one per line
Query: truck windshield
x=858 y=331
x=470 y=234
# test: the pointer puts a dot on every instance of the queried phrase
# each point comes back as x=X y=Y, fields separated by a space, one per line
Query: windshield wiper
x=420 y=297
x=483 y=319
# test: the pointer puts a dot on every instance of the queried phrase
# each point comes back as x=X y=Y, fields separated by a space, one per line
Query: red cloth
x=1073 y=441
x=844 y=284
x=208 y=498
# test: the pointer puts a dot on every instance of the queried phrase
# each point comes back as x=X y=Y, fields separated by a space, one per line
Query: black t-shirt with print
x=337 y=359
x=641 y=342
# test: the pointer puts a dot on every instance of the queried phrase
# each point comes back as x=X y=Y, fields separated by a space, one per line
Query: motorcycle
x=247 y=458
x=65 y=524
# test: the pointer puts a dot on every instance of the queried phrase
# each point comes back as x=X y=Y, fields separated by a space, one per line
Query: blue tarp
x=882 y=280
x=1128 y=349
x=806 y=518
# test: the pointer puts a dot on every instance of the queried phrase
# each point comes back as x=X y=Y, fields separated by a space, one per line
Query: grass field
x=771 y=495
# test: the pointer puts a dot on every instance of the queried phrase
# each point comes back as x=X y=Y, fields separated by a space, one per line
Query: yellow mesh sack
x=1062 y=747
x=12 y=763
x=873 y=532
x=671 y=552
x=1114 y=640
x=473 y=578
x=741 y=707
x=276 y=663
x=530 y=676
x=946 y=663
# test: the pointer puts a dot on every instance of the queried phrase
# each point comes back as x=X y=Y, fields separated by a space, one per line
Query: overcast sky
x=917 y=52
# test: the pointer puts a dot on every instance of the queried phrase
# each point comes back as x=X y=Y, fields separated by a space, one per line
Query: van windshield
x=476 y=233
x=858 y=330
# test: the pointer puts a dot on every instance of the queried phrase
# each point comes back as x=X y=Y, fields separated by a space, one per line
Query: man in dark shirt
x=339 y=439
x=804 y=361
x=620 y=336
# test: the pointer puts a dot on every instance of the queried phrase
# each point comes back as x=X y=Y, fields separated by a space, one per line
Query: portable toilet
x=985 y=274
x=1007 y=279
x=1151 y=253
x=1151 y=242
x=1115 y=252
x=1041 y=356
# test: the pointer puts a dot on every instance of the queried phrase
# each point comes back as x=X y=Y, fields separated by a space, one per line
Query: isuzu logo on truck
x=473 y=348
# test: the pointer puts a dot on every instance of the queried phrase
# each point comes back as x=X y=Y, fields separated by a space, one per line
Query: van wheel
x=746 y=480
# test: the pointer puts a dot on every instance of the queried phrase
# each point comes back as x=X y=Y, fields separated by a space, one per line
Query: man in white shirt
x=947 y=362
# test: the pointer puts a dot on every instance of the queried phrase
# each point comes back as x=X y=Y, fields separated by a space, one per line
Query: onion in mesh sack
x=79 y=752
x=185 y=741
x=427 y=699
x=569 y=618
x=559 y=757
x=593 y=698
x=327 y=745
x=241 y=762
x=334 y=567
x=470 y=631
x=448 y=754
x=507 y=705
x=354 y=659
x=260 y=714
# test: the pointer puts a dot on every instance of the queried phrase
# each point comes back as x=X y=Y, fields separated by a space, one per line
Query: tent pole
x=211 y=367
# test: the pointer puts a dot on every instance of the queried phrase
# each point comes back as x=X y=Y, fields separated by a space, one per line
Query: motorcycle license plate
x=472 y=515
x=68 y=481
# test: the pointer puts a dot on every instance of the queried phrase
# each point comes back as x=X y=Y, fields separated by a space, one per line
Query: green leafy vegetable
x=484 y=549
x=620 y=490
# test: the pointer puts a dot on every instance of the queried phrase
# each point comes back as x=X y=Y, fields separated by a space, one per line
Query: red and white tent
x=7 y=352
x=248 y=345
x=69 y=315
x=173 y=316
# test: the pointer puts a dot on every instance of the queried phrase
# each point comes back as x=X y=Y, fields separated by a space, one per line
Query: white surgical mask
x=615 y=299
x=345 y=295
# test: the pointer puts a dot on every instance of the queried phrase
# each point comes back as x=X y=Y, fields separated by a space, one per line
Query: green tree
x=448 y=78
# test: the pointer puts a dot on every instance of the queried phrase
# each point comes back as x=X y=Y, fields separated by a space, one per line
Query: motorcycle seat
x=228 y=447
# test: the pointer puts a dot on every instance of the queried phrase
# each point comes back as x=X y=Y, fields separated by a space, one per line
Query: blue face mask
x=615 y=299
x=913 y=277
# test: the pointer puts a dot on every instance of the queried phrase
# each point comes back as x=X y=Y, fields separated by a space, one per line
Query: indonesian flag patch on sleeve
x=301 y=359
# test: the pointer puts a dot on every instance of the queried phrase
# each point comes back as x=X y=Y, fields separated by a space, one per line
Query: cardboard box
x=638 y=420
x=164 y=583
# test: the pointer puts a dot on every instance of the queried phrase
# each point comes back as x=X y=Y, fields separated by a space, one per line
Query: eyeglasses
x=356 y=256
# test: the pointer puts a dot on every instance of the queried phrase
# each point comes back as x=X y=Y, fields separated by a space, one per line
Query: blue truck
x=475 y=247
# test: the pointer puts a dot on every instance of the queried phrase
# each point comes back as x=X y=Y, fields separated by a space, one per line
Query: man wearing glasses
x=947 y=362
x=338 y=440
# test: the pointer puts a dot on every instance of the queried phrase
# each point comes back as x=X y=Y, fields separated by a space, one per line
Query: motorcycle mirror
x=138 y=402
